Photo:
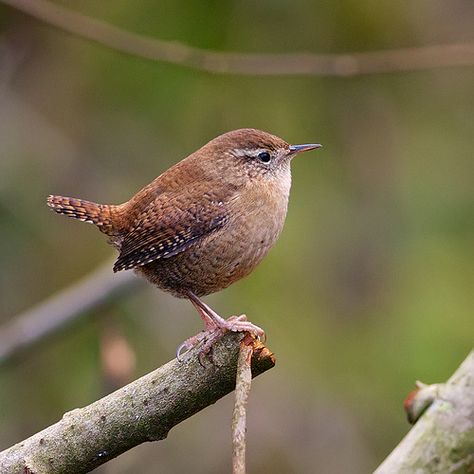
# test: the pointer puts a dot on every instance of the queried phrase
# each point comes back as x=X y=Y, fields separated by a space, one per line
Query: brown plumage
x=204 y=223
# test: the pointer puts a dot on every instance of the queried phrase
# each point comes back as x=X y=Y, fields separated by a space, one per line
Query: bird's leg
x=234 y=323
x=216 y=327
x=209 y=321
x=206 y=309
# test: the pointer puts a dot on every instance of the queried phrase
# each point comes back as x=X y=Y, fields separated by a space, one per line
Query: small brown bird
x=203 y=224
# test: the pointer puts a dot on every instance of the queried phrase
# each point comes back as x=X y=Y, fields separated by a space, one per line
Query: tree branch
x=61 y=309
x=443 y=438
x=310 y=64
x=144 y=410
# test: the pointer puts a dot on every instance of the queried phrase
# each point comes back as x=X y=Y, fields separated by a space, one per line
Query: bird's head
x=253 y=153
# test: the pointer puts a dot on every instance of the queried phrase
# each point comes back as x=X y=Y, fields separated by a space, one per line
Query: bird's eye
x=264 y=156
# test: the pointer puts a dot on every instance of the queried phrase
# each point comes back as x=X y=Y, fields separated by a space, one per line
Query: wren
x=203 y=224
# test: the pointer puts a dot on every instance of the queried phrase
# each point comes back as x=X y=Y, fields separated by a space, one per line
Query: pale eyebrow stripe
x=249 y=152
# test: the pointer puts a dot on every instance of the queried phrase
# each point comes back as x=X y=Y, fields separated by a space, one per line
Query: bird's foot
x=213 y=332
x=242 y=324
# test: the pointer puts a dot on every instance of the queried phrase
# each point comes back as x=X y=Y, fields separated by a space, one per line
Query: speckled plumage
x=207 y=221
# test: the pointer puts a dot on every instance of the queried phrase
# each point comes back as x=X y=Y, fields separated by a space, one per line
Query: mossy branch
x=442 y=440
x=144 y=410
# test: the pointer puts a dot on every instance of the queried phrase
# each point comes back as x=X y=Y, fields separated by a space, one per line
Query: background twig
x=352 y=64
x=144 y=410
x=61 y=309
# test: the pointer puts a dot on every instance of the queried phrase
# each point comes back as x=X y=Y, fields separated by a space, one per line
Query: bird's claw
x=182 y=349
x=189 y=344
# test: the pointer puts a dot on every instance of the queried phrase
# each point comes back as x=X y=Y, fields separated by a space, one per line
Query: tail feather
x=99 y=214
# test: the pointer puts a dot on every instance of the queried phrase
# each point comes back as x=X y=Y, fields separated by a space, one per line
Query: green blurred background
x=370 y=285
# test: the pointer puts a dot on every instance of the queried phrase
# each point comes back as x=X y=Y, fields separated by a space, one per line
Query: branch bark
x=442 y=441
x=144 y=410
x=308 y=64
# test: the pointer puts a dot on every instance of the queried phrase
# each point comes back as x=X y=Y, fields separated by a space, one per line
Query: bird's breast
x=258 y=212
x=255 y=218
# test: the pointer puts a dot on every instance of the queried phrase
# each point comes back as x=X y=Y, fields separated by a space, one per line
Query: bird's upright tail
x=102 y=215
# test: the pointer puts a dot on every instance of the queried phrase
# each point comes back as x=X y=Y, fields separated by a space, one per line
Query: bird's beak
x=294 y=149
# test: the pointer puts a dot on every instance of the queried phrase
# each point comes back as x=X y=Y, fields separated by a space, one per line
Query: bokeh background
x=370 y=285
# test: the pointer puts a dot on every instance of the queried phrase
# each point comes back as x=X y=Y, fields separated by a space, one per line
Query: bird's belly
x=219 y=260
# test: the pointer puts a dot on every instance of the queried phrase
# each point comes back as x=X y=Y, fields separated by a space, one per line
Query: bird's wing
x=168 y=226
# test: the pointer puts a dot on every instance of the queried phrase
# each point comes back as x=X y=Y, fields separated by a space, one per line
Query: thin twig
x=239 y=416
x=144 y=410
x=31 y=327
x=309 y=64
